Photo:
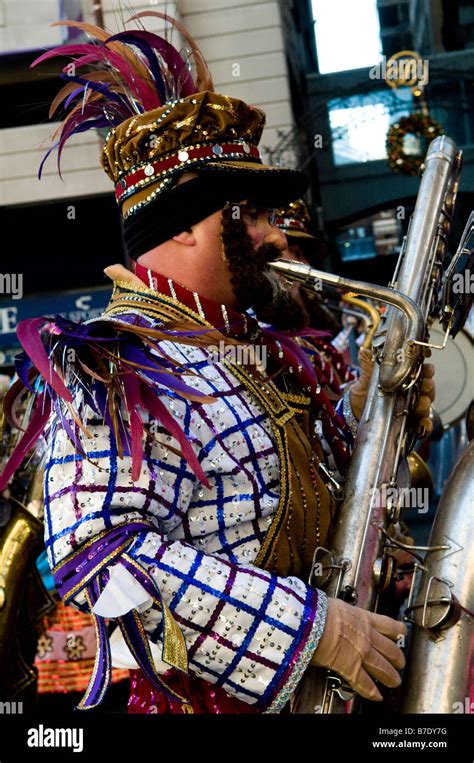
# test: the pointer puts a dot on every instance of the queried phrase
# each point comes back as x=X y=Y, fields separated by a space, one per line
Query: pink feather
x=136 y=83
x=33 y=431
x=133 y=401
x=161 y=413
x=29 y=334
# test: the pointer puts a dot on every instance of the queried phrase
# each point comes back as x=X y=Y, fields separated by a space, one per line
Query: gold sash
x=306 y=507
x=303 y=523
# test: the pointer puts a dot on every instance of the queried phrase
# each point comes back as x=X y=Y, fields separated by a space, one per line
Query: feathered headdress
x=163 y=122
x=117 y=76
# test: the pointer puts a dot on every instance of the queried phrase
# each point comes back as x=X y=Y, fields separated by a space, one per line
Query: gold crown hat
x=162 y=123
x=294 y=219
x=206 y=131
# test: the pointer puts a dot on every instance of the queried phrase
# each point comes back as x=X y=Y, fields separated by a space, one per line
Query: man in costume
x=295 y=221
x=184 y=494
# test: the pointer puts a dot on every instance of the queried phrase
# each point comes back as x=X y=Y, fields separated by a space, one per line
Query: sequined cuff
x=348 y=413
x=305 y=655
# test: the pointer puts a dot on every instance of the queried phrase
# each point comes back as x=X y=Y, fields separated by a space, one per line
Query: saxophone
x=359 y=565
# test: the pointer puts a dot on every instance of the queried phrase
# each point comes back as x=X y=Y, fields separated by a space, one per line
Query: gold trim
x=90 y=542
x=175 y=652
x=296 y=398
x=95 y=571
x=146 y=645
x=186 y=122
x=118 y=302
x=95 y=669
x=266 y=392
x=267 y=548
x=271 y=400
x=298 y=403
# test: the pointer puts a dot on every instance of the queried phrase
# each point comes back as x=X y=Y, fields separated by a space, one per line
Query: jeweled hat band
x=290 y=224
x=164 y=123
x=187 y=157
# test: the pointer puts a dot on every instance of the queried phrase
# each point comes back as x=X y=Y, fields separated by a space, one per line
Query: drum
x=454 y=374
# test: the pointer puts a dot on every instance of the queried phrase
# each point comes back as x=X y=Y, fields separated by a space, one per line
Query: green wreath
x=415 y=124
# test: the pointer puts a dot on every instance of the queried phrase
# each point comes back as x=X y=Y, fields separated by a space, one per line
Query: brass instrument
x=441 y=602
x=23 y=598
x=419 y=471
x=438 y=676
x=22 y=601
x=357 y=567
x=372 y=316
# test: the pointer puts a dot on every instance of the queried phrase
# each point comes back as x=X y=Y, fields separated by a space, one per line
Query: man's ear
x=186 y=237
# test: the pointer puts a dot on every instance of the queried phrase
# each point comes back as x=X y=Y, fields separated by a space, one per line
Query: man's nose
x=275 y=236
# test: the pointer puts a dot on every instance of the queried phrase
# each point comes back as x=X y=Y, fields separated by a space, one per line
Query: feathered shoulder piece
x=118 y=76
x=108 y=371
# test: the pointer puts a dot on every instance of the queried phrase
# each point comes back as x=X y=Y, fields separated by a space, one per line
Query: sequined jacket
x=247 y=630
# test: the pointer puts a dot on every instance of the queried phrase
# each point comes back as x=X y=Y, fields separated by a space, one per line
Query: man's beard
x=254 y=283
x=318 y=315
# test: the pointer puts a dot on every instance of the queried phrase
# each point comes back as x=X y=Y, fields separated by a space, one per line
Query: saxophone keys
x=436 y=608
x=383 y=572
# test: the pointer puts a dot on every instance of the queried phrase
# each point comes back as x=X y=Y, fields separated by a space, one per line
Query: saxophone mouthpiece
x=292 y=269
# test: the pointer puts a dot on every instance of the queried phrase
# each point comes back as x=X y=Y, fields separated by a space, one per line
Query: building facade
x=353 y=110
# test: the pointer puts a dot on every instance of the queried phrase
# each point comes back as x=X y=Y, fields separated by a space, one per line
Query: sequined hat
x=295 y=220
x=163 y=124
x=202 y=132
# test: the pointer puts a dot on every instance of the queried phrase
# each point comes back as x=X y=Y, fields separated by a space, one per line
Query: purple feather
x=89 y=399
x=293 y=350
x=137 y=85
x=50 y=151
x=67 y=427
x=183 y=82
x=136 y=355
x=22 y=367
x=101 y=391
x=71 y=96
x=128 y=81
x=100 y=396
x=135 y=38
x=97 y=87
x=78 y=123
x=81 y=331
